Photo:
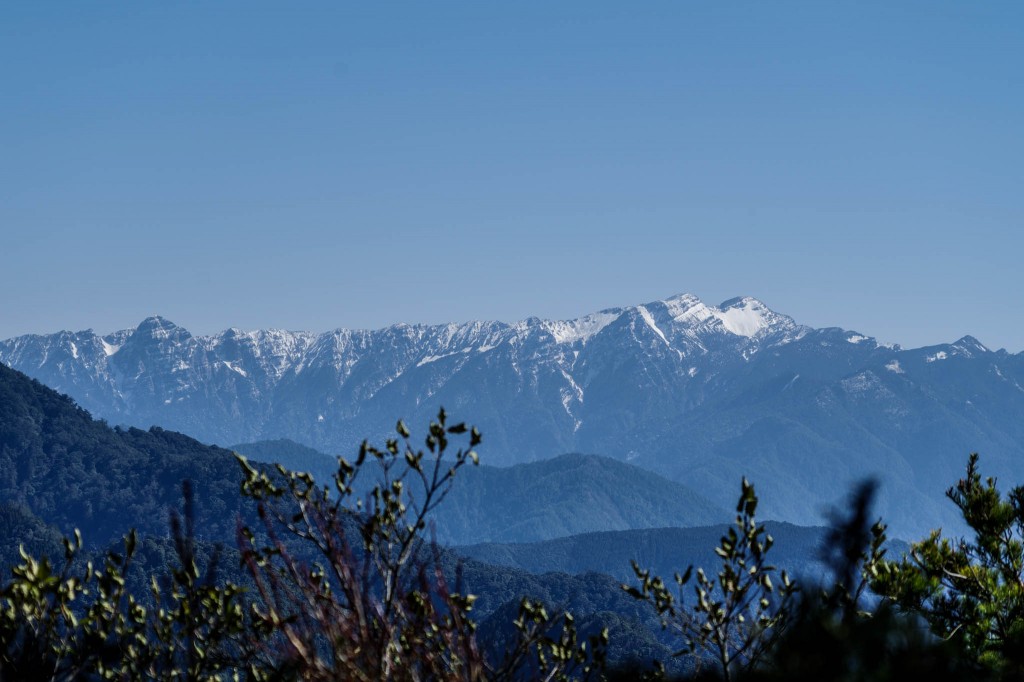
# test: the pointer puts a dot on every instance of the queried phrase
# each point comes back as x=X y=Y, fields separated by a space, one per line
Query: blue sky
x=311 y=166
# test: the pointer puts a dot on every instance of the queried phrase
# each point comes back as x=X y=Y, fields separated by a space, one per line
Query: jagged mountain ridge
x=239 y=385
x=703 y=394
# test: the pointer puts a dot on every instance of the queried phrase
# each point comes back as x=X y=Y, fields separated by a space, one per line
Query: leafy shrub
x=735 y=616
x=970 y=591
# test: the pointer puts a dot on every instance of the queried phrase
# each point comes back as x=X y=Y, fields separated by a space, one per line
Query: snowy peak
x=157 y=327
x=687 y=310
x=969 y=346
x=745 y=316
x=966 y=347
x=156 y=322
x=581 y=329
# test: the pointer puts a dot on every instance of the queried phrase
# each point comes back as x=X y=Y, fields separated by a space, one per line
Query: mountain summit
x=700 y=393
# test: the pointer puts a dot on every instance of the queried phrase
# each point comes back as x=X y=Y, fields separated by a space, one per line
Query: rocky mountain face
x=701 y=394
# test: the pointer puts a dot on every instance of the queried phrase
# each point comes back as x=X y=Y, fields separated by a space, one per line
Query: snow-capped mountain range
x=700 y=393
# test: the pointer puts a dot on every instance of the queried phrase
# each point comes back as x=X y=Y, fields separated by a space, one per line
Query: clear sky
x=312 y=166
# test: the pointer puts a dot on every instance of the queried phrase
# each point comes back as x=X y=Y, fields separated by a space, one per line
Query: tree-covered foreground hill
x=72 y=471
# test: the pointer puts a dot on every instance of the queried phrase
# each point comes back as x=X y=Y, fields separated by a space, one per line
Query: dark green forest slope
x=72 y=471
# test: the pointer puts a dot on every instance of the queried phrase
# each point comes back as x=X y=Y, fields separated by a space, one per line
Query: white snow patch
x=969 y=346
x=485 y=348
x=427 y=359
x=568 y=395
x=109 y=348
x=856 y=338
x=566 y=401
x=791 y=382
x=571 y=331
x=941 y=355
x=688 y=308
x=743 y=320
x=433 y=358
x=692 y=371
x=894 y=366
x=167 y=402
x=319 y=417
x=860 y=383
x=74 y=350
x=646 y=315
x=232 y=367
x=576 y=390
x=1000 y=375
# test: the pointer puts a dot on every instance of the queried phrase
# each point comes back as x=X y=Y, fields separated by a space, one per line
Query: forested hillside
x=73 y=471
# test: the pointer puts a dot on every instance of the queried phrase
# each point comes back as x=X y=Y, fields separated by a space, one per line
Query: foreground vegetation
x=328 y=584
